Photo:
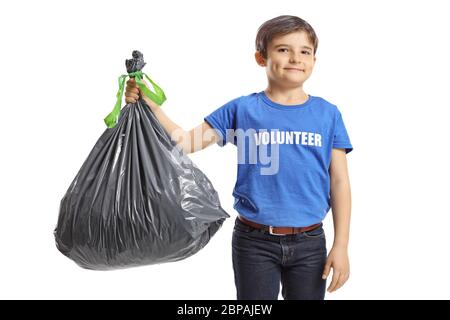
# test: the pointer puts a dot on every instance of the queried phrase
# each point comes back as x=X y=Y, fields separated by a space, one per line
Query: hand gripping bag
x=137 y=199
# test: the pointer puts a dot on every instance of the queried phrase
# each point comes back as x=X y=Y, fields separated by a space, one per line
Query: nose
x=295 y=58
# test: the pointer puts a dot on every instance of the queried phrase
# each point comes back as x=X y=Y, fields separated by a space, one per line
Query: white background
x=385 y=64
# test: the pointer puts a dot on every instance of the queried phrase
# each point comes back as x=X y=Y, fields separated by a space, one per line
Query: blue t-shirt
x=284 y=154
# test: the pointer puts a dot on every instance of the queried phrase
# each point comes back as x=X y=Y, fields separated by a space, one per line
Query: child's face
x=290 y=59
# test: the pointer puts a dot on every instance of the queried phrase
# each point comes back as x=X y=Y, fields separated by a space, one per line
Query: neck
x=287 y=96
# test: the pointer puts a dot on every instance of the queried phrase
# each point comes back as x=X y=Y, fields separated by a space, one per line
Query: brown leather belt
x=279 y=231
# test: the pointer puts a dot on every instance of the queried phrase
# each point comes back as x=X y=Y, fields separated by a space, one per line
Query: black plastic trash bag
x=137 y=199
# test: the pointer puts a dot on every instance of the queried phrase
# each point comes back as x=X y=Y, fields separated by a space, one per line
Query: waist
x=278 y=230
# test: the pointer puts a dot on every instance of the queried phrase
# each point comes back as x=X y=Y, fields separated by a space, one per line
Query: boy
x=278 y=234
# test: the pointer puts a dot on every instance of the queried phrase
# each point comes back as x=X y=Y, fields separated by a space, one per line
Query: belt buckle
x=273 y=233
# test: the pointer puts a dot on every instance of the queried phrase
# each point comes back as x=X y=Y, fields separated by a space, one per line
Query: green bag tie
x=158 y=97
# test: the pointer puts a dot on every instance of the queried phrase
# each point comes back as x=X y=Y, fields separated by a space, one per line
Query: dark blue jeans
x=262 y=261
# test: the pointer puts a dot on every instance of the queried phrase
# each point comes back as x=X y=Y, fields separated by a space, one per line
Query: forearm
x=177 y=134
x=341 y=208
x=191 y=141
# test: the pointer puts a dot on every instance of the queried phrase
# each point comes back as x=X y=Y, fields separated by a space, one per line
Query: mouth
x=294 y=69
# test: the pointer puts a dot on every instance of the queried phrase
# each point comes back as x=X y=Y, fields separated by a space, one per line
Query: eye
x=307 y=52
x=280 y=50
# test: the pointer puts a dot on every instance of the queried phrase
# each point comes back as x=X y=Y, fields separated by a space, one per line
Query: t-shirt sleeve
x=340 y=137
x=223 y=120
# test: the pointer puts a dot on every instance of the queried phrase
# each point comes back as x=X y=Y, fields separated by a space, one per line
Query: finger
x=326 y=270
x=132 y=89
x=340 y=282
x=334 y=281
x=345 y=279
x=342 y=279
x=131 y=82
x=132 y=95
x=130 y=100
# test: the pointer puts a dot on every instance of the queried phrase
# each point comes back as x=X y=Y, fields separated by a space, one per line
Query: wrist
x=153 y=106
x=341 y=244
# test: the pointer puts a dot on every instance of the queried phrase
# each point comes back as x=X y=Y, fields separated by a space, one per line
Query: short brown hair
x=280 y=26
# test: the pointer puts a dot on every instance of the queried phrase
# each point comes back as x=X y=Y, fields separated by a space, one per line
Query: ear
x=259 y=59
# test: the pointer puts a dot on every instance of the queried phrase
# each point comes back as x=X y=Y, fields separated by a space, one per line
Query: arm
x=341 y=208
x=191 y=141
